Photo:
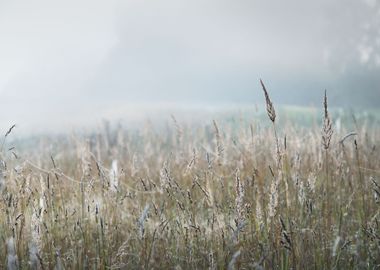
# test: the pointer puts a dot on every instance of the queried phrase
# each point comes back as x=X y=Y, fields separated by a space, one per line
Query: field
x=289 y=190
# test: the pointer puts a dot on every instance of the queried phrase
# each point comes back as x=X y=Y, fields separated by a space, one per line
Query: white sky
x=70 y=60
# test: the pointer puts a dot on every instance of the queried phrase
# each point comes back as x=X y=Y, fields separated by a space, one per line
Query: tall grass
x=215 y=196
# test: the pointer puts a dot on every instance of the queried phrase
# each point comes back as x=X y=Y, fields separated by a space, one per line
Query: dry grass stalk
x=270 y=108
x=5 y=137
x=178 y=129
x=327 y=130
x=219 y=144
x=272 y=116
x=239 y=200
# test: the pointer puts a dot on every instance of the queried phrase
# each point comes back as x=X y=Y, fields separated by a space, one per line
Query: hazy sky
x=61 y=60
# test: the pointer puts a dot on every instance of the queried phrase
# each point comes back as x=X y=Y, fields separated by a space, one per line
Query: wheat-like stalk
x=327 y=130
x=219 y=144
x=270 y=108
x=272 y=116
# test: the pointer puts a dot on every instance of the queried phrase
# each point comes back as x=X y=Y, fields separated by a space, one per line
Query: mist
x=81 y=61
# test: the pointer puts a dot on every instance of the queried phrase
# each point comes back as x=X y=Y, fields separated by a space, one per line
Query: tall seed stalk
x=274 y=190
x=327 y=132
x=272 y=116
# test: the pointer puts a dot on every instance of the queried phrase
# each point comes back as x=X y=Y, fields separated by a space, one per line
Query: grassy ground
x=237 y=193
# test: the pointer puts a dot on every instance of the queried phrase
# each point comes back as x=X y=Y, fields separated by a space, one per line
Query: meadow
x=287 y=189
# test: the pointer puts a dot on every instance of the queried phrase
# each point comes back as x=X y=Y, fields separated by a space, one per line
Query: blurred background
x=72 y=63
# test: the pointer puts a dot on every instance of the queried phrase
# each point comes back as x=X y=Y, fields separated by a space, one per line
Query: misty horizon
x=83 y=60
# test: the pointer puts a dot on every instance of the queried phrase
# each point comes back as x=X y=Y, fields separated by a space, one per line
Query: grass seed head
x=270 y=108
x=327 y=130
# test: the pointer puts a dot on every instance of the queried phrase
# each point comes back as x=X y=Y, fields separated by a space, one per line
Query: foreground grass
x=237 y=196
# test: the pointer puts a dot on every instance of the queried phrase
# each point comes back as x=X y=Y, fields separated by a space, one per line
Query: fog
x=64 y=62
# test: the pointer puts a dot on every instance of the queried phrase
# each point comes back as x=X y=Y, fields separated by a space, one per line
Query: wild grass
x=216 y=196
